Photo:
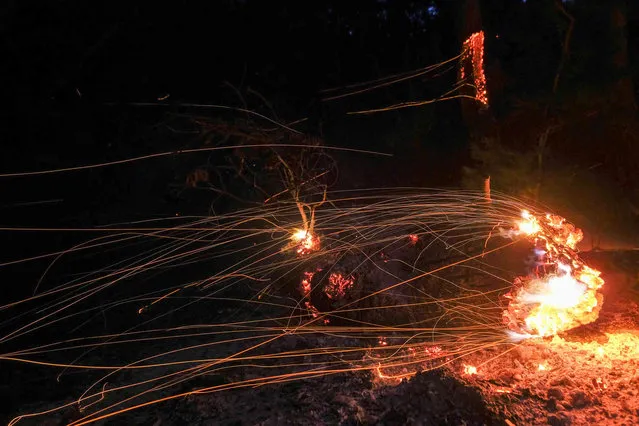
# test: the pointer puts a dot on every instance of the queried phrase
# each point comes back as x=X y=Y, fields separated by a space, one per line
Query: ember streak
x=382 y=295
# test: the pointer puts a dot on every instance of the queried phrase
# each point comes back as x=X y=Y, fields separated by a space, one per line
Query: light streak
x=425 y=309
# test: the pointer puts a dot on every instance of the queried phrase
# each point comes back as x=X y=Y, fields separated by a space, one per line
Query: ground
x=589 y=375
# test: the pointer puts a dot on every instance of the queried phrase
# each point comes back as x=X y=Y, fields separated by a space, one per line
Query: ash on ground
x=589 y=375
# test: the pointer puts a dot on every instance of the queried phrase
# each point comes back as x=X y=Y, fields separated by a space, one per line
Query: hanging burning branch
x=563 y=292
x=473 y=55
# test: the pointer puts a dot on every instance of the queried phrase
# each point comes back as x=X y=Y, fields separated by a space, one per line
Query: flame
x=305 y=241
x=470 y=370
x=528 y=225
x=563 y=291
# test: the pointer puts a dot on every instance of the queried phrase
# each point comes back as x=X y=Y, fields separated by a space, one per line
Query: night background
x=92 y=82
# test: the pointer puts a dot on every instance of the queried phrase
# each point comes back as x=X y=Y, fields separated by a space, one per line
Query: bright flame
x=563 y=291
x=299 y=235
x=555 y=291
x=529 y=225
x=305 y=241
x=470 y=370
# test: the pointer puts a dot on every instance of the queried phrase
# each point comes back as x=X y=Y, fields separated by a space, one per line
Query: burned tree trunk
x=476 y=121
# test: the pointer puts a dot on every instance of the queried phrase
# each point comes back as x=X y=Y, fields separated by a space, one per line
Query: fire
x=413 y=239
x=620 y=346
x=474 y=50
x=563 y=291
x=470 y=370
x=528 y=225
x=305 y=241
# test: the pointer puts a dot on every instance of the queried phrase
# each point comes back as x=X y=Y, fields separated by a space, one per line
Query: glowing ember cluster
x=337 y=285
x=562 y=292
x=306 y=283
x=474 y=51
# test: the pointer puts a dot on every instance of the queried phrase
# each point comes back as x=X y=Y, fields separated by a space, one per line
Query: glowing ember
x=312 y=309
x=621 y=346
x=338 y=285
x=433 y=350
x=306 y=288
x=470 y=370
x=306 y=283
x=563 y=291
x=474 y=50
x=305 y=241
x=413 y=238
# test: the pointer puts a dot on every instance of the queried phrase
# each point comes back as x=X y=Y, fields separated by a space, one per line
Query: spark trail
x=389 y=281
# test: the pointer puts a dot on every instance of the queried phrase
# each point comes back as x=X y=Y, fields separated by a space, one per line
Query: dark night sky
x=71 y=70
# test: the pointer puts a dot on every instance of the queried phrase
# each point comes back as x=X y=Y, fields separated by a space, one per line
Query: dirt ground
x=589 y=375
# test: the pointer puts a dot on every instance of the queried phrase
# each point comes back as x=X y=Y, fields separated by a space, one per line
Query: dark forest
x=257 y=103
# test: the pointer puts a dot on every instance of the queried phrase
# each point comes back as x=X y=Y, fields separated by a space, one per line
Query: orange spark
x=382 y=375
